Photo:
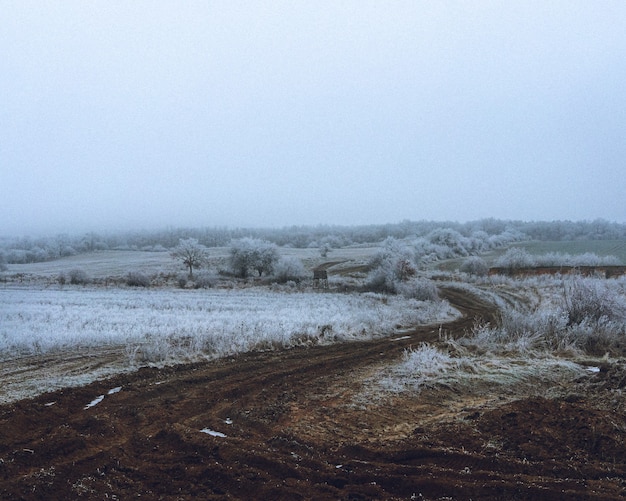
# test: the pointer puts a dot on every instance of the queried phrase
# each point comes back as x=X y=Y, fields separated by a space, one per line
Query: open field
x=602 y=248
x=171 y=326
x=117 y=264
x=311 y=422
x=265 y=393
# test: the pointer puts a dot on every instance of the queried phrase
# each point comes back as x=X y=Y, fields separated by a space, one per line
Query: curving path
x=278 y=425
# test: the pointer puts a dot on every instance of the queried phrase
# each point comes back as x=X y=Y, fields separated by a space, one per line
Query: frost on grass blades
x=535 y=345
x=172 y=325
x=468 y=373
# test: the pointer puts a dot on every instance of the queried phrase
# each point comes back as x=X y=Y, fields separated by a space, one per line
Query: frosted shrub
x=451 y=240
x=204 y=280
x=382 y=278
x=475 y=265
x=586 y=259
x=515 y=258
x=78 y=277
x=422 y=367
x=592 y=259
x=137 y=279
x=599 y=337
x=289 y=269
x=425 y=361
x=181 y=280
x=391 y=266
x=590 y=318
x=589 y=299
x=421 y=289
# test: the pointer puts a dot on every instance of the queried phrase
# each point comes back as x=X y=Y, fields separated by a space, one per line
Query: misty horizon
x=149 y=115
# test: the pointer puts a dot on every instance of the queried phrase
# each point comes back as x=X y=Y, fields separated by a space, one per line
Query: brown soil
x=298 y=425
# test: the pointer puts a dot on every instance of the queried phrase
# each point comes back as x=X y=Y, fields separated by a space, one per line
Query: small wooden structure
x=320 y=279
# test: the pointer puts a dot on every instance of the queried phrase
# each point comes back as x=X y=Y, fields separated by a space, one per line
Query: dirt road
x=295 y=424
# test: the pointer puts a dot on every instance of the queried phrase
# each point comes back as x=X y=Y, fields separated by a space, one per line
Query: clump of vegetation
x=289 y=269
x=585 y=259
x=590 y=318
x=137 y=279
x=251 y=254
x=422 y=289
x=475 y=265
x=587 y=300
x=516 y=258
x=428 y=366
x=204 y=280
x=77 y=277
x=394 y=272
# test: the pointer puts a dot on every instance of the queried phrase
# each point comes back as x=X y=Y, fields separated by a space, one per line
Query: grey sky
x=144 y=114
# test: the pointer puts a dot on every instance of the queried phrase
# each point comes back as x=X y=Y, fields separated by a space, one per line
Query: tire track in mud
x=291 y=432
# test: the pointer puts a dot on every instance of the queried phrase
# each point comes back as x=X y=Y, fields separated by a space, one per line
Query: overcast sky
x=147 y=114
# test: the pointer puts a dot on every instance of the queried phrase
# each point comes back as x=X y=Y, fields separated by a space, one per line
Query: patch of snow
x=213 y=433
x=401 y=338
x=228 y=421
x=114 y=390
x=95 y=401
x=593 y=369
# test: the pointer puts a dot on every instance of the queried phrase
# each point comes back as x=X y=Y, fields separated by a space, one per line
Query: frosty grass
x=157 y=325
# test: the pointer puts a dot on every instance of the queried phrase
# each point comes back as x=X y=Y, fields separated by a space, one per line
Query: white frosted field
x=162 y=324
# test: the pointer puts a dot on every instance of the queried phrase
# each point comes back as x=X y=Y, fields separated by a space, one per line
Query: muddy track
x=289 y=425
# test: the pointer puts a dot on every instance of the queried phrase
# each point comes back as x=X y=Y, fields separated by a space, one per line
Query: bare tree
x=191 y=254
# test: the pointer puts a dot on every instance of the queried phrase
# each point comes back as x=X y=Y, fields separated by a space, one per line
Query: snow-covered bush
x=422 y=289
x=452 y=241
x=137 y=279
x=515 y=258
x=394 y=263
x=590 y=300
x=590 y=318
x=586 y=259
x=181 y=280
x=204 y=280
x=289 y=269
x=475 y=265
x=78 y=277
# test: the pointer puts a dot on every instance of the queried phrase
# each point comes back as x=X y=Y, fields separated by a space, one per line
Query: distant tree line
x=435 y=238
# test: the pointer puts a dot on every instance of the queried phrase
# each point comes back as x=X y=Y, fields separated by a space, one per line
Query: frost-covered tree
x=393 y=264
x=191 y=254
x=451 y=239
x=252 y=254
x=475 y=265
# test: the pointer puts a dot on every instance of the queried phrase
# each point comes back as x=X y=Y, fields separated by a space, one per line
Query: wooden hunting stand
x=320 y=279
